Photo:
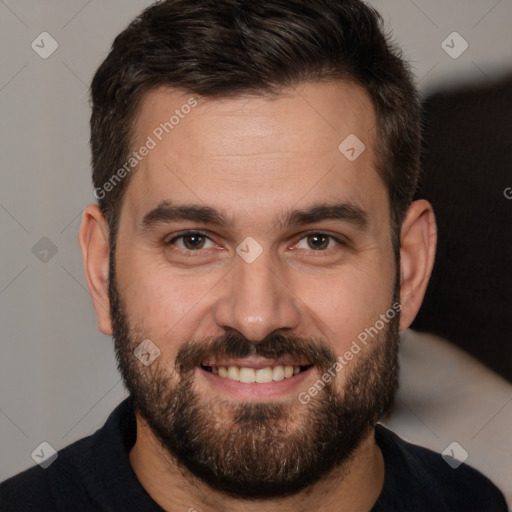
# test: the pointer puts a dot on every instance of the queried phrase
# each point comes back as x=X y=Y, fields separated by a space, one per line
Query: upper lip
x=254 y=362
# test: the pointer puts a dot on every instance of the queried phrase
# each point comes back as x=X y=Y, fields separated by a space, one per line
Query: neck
x=357 y=484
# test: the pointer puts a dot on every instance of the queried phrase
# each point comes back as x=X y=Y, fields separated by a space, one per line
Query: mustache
x=274 y=346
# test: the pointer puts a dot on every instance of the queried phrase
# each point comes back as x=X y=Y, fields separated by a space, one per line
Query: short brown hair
x=221 y=48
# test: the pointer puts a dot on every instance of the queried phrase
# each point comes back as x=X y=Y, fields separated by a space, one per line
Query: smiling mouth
x=261 y=375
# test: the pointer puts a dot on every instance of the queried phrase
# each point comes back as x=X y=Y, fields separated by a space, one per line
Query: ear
x=93 y=239
x=418 y=241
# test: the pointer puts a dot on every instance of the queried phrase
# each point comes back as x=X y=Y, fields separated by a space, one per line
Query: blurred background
x=58 y=380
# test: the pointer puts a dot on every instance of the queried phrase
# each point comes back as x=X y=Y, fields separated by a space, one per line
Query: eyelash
x=339 y=241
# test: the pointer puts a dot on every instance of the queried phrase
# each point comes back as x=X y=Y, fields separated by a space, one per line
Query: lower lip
x=255 y=390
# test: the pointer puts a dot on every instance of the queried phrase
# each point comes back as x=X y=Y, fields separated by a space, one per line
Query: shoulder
x=421 y=478
x=38 y=489
x=81 y=474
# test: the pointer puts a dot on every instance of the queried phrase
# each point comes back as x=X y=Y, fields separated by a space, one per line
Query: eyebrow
x=166 y=212
x=345 y=212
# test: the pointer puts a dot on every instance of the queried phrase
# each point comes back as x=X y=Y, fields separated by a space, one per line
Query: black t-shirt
x=94 y=474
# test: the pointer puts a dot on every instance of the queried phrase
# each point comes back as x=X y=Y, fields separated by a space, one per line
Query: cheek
x=161 y=303
x=347 y=302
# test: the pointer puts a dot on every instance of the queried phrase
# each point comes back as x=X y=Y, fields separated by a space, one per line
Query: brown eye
x=317 y=242
x=192 y=241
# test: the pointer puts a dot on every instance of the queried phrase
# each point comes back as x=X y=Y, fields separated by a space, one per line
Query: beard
x=258 y=450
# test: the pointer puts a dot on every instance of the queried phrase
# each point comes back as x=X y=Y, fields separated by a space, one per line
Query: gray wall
x=58 y=380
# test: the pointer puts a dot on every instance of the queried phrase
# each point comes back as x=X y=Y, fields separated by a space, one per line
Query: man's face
x=250 y=244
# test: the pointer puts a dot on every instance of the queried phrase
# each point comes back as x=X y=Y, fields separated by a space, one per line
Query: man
x=254 y=254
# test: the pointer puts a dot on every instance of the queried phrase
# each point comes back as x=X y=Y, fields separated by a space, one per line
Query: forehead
x=256 y=154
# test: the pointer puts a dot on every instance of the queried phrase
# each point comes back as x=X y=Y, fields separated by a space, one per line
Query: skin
x=254 y=159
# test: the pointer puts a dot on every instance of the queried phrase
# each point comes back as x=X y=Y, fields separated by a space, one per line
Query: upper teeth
x=261 y=375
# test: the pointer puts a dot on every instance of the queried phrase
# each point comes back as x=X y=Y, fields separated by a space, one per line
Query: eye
x=317 y=242
x=191 y=241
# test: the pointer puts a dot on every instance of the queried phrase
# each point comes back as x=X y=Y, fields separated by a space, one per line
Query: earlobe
x=94 y=243
x=417 y=253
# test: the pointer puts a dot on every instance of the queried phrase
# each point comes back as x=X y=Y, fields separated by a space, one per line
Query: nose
x=256 y=300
